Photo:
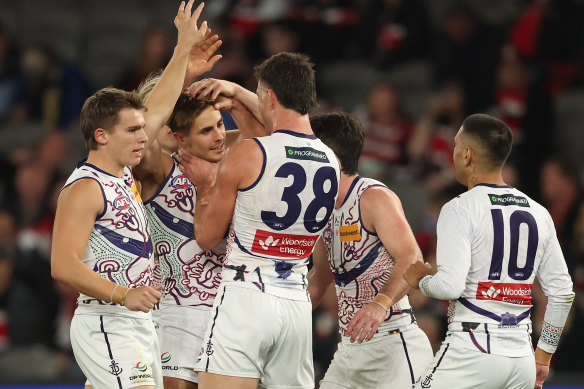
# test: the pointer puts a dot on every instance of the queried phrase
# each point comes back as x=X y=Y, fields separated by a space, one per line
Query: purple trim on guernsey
x=263 y=168
x=161 y=188
x=181 y=227
x=347 y=277
x=132 y=246
x=494 y=186
x=360 y=219
x=351 y=188
x=297 y=134
x=488 y=314
x=84 y=163
x=488 y=338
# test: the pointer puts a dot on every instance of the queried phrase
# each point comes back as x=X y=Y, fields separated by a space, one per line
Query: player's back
x=278 y=219
x=508 y=235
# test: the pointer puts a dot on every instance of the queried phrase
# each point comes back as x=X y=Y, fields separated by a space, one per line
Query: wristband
x=113 y=291
x=383 y=301
x=542 y=364
x=123 y=303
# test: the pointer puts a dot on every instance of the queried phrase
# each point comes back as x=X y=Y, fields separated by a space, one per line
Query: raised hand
x=366 y=322
x=189 y=34
x=201 y=58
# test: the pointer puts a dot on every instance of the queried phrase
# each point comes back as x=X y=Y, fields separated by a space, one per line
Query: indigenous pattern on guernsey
x=190 y=276
x=360 y=263
x=119 y=248
x=278 y=219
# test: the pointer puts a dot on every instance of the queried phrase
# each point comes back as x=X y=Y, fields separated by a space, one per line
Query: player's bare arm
x=84 y=199
x=247 y=124
x=382 y=213
x=211 y=88
x=320 y=277
x=240 y=167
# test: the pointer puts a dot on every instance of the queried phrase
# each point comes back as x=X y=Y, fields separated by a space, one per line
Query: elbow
x=59 y=274
x=205 y=243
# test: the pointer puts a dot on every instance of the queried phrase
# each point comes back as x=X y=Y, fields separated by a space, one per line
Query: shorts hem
x=184 y=375
x=230 y=373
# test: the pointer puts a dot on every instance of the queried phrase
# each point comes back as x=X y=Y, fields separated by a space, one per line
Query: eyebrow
x=137 y=127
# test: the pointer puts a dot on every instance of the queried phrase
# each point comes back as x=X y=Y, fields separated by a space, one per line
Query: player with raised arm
x=493 y=241
x=279 y=190
x=105 y=251
x=365 y=248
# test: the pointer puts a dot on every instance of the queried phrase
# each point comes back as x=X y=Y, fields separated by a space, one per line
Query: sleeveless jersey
x=510 y=237
x=190 y=276
x=119 y=247
x=278 y=219
x=360 y=263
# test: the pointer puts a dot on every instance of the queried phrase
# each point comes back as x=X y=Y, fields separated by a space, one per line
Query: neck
x=108 y=165
x=344 y=186
x=477 y=177
x=287 y=119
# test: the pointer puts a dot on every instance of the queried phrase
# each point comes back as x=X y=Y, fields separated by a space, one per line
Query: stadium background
x=409 y=69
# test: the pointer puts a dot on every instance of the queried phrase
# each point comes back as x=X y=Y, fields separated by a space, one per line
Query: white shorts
x=392 y=361
x=180 y=334
x=116 y=351
x=257 y=335
x=456 y=367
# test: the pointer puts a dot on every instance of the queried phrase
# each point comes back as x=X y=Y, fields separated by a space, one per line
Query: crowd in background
x=410 y=70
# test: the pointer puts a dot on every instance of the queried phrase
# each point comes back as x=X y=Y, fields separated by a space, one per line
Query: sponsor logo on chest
x=509 y=293
x=121 y=202
x=283 y=245
x=349 y=233
x=508 y=199
x=306 y=153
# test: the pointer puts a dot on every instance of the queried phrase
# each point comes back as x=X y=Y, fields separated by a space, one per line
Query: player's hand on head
x=189 y=33
x=415 y=272
x=143 y=298
x=366 y=322
x=211 y=88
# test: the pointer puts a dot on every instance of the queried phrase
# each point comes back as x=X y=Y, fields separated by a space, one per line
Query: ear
x=468 y=156
x=100 y=136
x=272 y=99
x=180 y=139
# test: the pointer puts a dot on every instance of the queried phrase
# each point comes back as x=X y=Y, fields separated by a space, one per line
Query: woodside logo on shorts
x=349 y=233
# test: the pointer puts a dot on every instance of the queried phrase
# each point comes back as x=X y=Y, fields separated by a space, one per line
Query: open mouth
x=220 y=147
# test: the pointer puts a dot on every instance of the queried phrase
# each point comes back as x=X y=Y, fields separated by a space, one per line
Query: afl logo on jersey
x=121 y=202
x=180 y=182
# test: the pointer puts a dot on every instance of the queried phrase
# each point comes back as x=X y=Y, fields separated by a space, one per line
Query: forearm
x=78 y=276
x=249 y=100
x=396 y=287
x=247 y=123
x=316 y=289
x=556 y=314
x=442 y=286
x=161 y=101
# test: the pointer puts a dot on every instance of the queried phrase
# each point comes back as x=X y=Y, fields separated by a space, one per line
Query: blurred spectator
x=394 y=31
x=466 y=50
x=387 y=130
x=31 y=185
x=48 y=89
x=273 y=38
x=8 y=74
x=155 y=52
x=432 y=143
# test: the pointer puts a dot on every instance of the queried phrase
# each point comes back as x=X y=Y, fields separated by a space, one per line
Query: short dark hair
x=493 y=134
x=186 y=110
x=101 y=111
x=291 y=77
x=344 y=134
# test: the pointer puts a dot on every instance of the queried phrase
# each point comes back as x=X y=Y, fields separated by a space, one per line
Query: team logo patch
x=141 y=366
x=508 y=199
x=283 y=245
x=165 y=357
x=349 y=233
x=181 y=182
x=115 y=368
x=509 y=293
x=121 y=202
x=306 y=153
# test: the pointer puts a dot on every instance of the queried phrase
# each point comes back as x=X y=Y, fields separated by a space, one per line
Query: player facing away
x=280 y=191
x=493 y=241
x=102 y=248
x=365 y=248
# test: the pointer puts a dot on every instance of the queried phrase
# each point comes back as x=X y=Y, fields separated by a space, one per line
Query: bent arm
x=320 y=277
x=453 y=255
x=247 y=124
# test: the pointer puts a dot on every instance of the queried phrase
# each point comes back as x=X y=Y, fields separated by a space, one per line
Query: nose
x=143 y=137
x=219 y=133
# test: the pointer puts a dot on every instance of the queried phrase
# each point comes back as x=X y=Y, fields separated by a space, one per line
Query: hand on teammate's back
x=143 y=298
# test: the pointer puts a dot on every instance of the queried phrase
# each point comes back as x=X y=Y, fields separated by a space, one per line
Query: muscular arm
x=382 y=213
x=320 y=277
x=215 y=203
x=248 y=125
x=84 y=199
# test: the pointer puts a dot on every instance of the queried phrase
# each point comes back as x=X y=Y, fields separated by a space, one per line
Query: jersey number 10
x=516 y=219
